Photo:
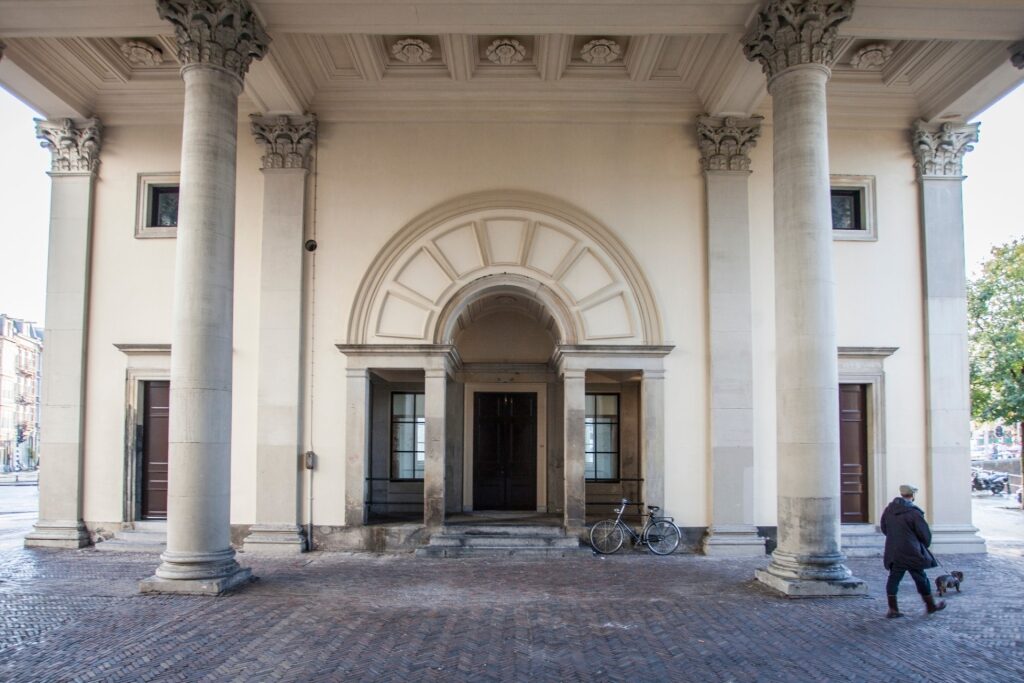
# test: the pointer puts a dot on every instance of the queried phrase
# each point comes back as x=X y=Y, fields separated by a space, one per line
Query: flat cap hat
x=907 y=490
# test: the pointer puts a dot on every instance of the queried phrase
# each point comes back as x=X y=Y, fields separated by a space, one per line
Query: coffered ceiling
x=561 y=60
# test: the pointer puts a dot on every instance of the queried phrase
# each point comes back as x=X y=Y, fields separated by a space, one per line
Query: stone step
x=499 y=551
x=504 y=530
x=123 y=546
x=499 y=541
x=132 y=536
x=159 y=525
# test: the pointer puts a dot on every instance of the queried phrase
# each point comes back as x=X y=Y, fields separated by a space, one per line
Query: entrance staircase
x=506 y=538
x=146 y=537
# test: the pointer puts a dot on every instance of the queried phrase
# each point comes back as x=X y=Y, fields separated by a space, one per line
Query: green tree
x=995 y=309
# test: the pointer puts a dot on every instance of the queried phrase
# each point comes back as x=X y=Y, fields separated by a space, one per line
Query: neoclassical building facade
x=375 y=275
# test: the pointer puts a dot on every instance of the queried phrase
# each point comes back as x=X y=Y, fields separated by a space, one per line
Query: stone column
x=435 y=410
x=939 y=152
x=793 y=41
x=357 y=393
x=725 y=145
x=652 y=405
x=216 y=43
x=287 y=142
x=574 y=407
x=75 y=152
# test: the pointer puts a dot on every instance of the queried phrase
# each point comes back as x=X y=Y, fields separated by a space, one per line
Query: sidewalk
x=632 y=617
x=28 y=478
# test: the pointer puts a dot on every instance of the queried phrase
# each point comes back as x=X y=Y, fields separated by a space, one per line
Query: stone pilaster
x=287 y=143
x=793 y=40
x=725 y=145
x=653 y=407
x=217 y=40
x=74 y=149
x=574 y=404
x=938 y=153
x=357 y=393
x=435 y=413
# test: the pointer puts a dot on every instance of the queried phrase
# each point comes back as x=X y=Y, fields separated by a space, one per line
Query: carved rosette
x=506 y=51
x=139 y=53
x=793 y=32
x=412 y=51
x=224 y=34
x=939 y=153
x=287 y=140
x=725 y=144
x=600 y=51
x=1017 y=54
x=74 y=148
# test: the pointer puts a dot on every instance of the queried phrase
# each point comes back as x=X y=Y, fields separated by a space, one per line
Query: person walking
x=907 y=538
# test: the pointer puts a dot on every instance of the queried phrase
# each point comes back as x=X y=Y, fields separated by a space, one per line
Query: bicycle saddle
x=653 y=508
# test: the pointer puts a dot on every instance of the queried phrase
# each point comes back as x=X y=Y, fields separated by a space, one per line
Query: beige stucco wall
x=641 y=181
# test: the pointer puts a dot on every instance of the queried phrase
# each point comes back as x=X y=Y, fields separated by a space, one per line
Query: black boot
x=931 y=605
x=894 y=609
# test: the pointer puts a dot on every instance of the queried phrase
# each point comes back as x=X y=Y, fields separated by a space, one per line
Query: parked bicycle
x=660 y=534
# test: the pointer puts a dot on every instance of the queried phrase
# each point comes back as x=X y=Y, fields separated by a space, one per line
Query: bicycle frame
x=637 y=538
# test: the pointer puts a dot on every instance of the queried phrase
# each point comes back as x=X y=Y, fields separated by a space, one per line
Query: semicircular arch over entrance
x=526 y=239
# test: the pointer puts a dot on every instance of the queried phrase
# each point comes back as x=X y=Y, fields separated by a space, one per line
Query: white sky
x=992 y=209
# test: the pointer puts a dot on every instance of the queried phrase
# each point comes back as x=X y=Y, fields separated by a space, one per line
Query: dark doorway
x=156 y=410
x=505 y=451
x=853 y=453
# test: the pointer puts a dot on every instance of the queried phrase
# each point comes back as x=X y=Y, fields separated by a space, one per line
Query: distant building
x=21 y=363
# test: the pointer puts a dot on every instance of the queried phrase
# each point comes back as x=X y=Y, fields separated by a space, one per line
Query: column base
x=810 y=576
x=956 y=539
x=728 y=540
x=275 y=539
x=51 y=533
x=216 y=586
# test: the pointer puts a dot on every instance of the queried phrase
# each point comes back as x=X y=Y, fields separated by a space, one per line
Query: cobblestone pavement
x=75 y=615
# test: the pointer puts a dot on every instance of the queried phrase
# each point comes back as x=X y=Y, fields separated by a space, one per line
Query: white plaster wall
x=879 y=292
x=130 y=302
x=643 y=182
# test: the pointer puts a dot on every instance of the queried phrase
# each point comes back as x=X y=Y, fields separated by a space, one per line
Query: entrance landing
x=502 y=534
x=504 y=518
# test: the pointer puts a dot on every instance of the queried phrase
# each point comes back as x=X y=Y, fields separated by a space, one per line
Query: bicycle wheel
x=606 y=536
x=662 y=537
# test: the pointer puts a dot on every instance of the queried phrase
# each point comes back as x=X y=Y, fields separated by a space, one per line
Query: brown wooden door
x=156 y=402
x=505 y=451
x=853 y=453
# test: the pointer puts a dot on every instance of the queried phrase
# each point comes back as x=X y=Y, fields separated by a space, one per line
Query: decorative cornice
x=287 y=140
x=1017 y=54
x=74 y=148
x=939 y=152
x=224 y=34
x=793 y=32
x=725 y=144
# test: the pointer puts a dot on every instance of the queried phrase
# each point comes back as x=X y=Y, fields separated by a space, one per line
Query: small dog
x=948 y=581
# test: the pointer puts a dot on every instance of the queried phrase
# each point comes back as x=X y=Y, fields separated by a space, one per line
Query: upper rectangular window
x=601 y=458
x=157 y=214
x=408 y=437
x=853 y=207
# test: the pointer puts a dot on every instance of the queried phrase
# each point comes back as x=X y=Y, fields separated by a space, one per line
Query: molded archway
x=436 y=265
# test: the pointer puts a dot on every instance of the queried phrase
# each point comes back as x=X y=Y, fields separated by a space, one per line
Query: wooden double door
x=505 y=451
x=853 y=453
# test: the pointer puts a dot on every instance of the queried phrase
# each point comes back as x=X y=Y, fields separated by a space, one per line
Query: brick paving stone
x=77 y=616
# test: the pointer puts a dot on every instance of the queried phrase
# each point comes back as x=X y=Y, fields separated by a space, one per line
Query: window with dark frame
x=408 y=436
x=847 y=213
x=601 y=460
x=163 y=206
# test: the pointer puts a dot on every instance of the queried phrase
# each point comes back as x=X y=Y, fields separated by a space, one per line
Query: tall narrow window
x=408 y=437
x=602 y=437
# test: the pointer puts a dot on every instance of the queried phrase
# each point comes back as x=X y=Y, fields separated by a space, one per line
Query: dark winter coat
x=907 y=536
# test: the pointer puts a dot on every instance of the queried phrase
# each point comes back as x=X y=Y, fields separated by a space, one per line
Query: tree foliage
x=995 y=308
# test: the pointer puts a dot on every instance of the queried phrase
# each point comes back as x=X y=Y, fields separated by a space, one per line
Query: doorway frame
x=143 y=363
x=865 y=365
x=540 y=389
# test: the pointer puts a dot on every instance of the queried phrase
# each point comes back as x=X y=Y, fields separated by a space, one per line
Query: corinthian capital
x=792 y=32
x=224 y=34
x=939 y=152
x=725 y=143
x=287 y=140
x=74 y=148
